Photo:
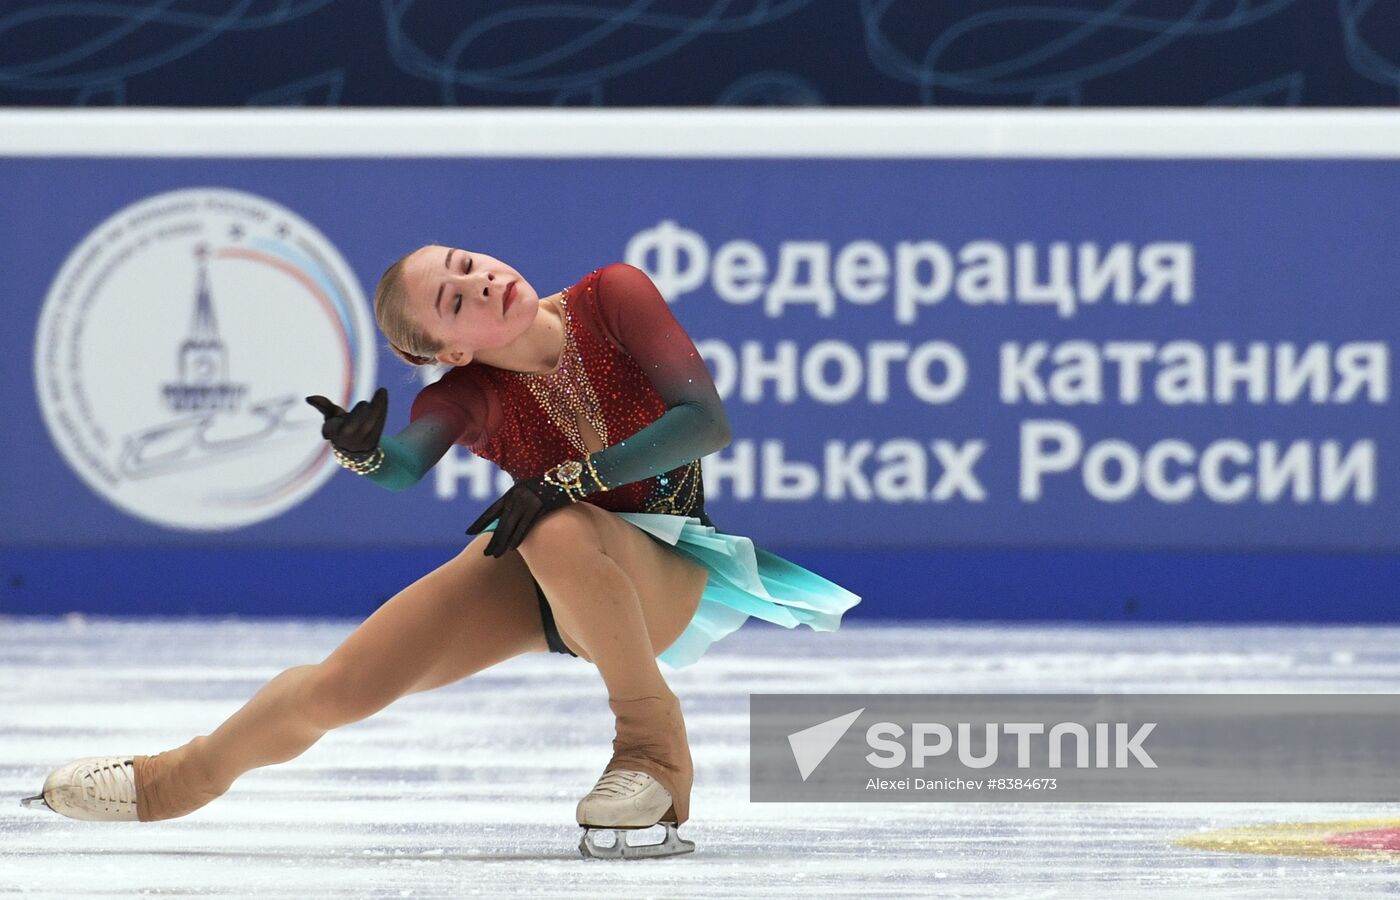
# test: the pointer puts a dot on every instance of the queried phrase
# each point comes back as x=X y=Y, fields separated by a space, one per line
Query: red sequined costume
x=628 y=369
x=631 y=376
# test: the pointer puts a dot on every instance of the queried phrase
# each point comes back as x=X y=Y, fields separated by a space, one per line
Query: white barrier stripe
x=702 y=133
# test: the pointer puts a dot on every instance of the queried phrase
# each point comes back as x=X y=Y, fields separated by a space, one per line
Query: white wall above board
x=704 y=133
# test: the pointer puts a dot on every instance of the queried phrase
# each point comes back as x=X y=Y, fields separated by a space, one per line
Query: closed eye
x=466 y=268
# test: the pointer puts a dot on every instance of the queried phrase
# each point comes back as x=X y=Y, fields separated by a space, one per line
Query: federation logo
x=174 y=349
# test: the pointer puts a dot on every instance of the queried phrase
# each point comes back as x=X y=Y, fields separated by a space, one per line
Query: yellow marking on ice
x=1293 y=839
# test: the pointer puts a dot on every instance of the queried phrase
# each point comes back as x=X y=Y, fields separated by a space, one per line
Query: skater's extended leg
x=465 y=616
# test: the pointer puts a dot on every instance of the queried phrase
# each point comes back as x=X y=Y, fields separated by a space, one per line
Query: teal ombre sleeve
x=695 y=423
x=436 y=423
x=409 y=454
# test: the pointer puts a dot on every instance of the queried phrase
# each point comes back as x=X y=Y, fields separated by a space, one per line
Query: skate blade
x=671 y=845
x=35 y=803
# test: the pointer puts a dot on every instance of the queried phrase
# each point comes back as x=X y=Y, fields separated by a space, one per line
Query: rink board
x=178 y=289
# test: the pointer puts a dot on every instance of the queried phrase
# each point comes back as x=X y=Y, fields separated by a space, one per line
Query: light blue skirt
x=744 y=581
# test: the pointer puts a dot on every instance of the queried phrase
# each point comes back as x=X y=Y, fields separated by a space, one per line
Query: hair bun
x=410 y=358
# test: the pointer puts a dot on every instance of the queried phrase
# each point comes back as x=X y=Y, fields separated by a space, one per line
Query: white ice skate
x=624 y=801
x=96 y=789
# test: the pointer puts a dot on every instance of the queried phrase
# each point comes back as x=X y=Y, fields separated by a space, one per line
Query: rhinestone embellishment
x=566 y=394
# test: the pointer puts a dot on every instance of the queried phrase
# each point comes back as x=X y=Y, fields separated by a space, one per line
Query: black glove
x=354 y=433
x=519 y=508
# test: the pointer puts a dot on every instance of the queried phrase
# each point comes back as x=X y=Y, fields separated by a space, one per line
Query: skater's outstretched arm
x=400 y=461
x=409 y=454
x=695 y=423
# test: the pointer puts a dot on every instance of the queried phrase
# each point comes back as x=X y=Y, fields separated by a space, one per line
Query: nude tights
x=602 y=615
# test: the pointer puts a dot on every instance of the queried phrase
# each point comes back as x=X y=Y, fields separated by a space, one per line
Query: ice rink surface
x=470 y=790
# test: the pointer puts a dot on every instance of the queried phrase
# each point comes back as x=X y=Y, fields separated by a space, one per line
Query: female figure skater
x=596 y=401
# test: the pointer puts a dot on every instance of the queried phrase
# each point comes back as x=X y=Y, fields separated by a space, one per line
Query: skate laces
x=112 y=782
x=619 y=783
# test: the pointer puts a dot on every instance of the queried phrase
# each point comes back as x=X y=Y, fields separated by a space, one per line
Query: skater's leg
x=467 y=615
x=619 y=598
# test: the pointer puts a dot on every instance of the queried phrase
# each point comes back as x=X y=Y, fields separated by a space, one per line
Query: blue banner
x=989 y=353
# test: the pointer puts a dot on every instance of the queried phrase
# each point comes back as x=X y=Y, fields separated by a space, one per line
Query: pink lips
x=507 y=298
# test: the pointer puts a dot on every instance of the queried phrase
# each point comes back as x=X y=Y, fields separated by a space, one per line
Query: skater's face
x=467 y=300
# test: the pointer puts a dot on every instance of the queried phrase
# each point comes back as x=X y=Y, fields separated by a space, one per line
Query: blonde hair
x=407 y=339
